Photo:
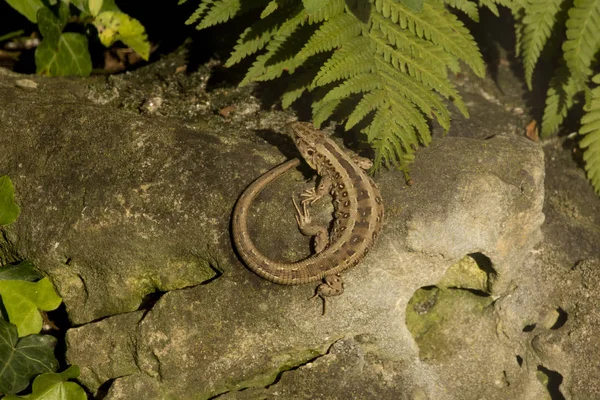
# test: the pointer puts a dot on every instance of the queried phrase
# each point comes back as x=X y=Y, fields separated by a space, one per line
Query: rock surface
x=459 y=299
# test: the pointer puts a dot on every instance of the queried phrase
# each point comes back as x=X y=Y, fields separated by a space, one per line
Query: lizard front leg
x=305 y=225
x=310 y=196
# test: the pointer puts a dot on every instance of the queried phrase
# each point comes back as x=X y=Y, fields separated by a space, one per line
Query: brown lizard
x=357 y=218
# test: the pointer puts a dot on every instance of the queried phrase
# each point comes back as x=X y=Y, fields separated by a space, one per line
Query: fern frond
x=322 y=10
x=422 y=73
x=253 y=39
x=332 y=33
x=583 y=37
x=352 y=58
x=559 y=99
x=416 y=92
x=539 y=20
x=412 y=118
x=355 y=84
x=220 y=12
x=264 y=68
x=590 y=129
x=322 y=110
x=199 y=11
x=490 y=4
x=466 y=6
x=424 y=51
x=269 y=9
x=437 y=24
x=383 y=135
x=370 y=102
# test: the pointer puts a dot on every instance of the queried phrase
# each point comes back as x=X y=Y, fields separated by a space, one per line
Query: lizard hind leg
x=332 y=285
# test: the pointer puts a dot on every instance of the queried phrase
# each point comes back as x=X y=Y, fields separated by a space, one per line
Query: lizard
x=357 y=218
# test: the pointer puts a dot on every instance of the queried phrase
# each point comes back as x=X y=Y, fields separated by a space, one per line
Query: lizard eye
x=310 y=152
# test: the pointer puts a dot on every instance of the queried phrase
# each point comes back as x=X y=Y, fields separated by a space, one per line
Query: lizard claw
x=309 y=196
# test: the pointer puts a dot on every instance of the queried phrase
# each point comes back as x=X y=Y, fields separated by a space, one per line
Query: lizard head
x=307 y=139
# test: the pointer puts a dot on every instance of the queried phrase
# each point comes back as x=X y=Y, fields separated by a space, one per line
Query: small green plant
x=540 y=24
x=66 y=53
x=24 y=352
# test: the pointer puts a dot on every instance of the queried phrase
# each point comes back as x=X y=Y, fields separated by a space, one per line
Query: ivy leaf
x=22 y=359
x=69 y=57
x=52 y=386
x=50 y=26
x=95 y=7
x=22 y=300
x=9 y=210
x=23 y=271
x=113 y=26
x=28 y=8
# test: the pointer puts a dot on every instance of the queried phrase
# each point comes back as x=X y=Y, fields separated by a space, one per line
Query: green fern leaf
x=410 y=116
x=590 y=129
x=322 y=110
x=383 y=134
x=355 y=84
x=416 y=92
x=437 y=24
x=261 y=70
x=370 y=102
x=199 y=11
x=424 y=51
x=422 y=73
x=253 y=39
x=352 y=58
x=559 y=99
x=583 y=37
x=490 y=5
x=332 y=33
x=466 y=6
x=539 y=20
x=220 y=12
x=269 y=9
x=322 y=10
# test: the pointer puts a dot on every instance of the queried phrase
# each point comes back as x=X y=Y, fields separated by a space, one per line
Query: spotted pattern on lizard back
x=357 y=219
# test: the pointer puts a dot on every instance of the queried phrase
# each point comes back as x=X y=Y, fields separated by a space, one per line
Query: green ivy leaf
x=9 y=210
x=50 y=26
x=113 y=26
x=22 y=299
x=52 y=386
x=22 y=359
x=28 y=8
x=69 y=57
x=23 y=271
x=95 y=6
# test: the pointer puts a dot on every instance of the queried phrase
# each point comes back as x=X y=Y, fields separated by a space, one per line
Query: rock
x=129 y=216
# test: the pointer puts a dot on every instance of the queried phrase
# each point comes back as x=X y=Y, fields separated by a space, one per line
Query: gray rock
x=459 y=299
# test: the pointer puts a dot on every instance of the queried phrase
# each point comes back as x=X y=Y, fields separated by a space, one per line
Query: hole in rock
x=103 y=389
x=529 y=328
x=519 y=360
x=150 y=300
x=561 y=320
x=484 y=263
x=57 y=323
x=553 y=384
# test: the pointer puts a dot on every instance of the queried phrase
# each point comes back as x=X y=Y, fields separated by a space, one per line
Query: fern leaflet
x=466 y=6
x=540 y=17
x=334 y=32
x=590 y=129
x=583 y=37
